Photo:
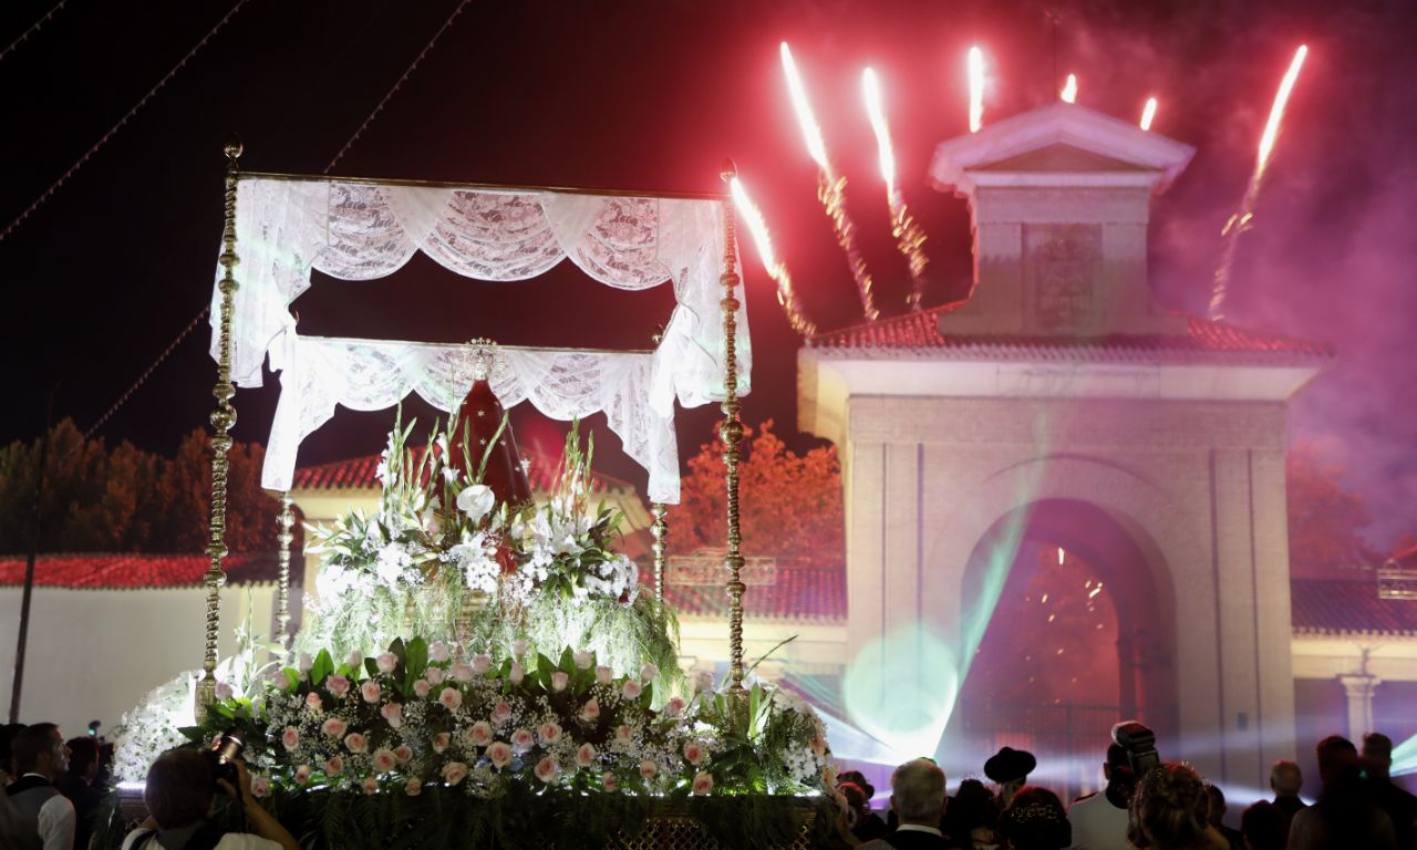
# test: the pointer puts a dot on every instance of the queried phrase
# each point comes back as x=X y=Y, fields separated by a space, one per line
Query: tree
x=1326 y=520
x=129 y=500
x=791 y=503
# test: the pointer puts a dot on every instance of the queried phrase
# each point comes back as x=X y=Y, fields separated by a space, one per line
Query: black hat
x=1009 y=764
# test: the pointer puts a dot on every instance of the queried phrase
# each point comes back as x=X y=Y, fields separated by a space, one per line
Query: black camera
x=222 y=755
x=1140 y=744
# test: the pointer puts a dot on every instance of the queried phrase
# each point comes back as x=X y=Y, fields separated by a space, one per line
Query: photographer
x=1100 y=820
x=179 y=796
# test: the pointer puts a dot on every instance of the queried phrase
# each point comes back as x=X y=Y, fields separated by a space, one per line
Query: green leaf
x=372 y=666
x=568 y=661
x=292 y=678
x=324 y=665
x=416 y=657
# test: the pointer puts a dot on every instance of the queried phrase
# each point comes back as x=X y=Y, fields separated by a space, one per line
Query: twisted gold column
x=731 y=431
x=222 y=419
x=285 y=520
x=660 y=531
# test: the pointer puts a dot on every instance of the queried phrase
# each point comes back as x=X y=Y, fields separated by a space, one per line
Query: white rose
x=477 y=501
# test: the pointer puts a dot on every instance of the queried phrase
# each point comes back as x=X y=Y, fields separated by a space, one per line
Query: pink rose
x=481 y=663
x=223 y=691
x=403 y=753
x=338 y=686
x=546 y=770
x=520 y=648
x=302 y=774
x=609 y=782
x=370 y=690
x=356 y=742
x=623 y=733
x=559 y=681
x=632 y=689
x=590 y=712
x=413 y=787
x=451 y=699
x=434 y=675
x=584 y=660
x=548 y=733
x=585 y=756
x=480 y=734
x=604 y=675
x=260 y=786
x=441 y=742
x=703 y=682
x=523 y=740
x=370 y=785
x=674 y=707
x=517 y=673
x=392 y=713
x=355 y=660
x=305 y=662
x=384 y=760
x=501 y=713
x=649 y=672
x=461 y=672
x=334 y=766
x=290 y=738
x=454 y=772
x=500 y=754
x=694 y=753
x=648 y=769
x=421 y=688
x=387 y=662
x=703 y=784
x=314 y=703
x=438 y=651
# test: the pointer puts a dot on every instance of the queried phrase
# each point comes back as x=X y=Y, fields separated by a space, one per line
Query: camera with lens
x=1140 y=744
x=222 y=754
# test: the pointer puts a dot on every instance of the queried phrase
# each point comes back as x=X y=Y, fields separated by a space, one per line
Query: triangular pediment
x=1057 y=139
x=1063 y=158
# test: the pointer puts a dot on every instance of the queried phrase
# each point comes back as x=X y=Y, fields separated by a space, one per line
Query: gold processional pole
x=284 y=521
x=659 y=530
x=222 y=419
x=732 y=433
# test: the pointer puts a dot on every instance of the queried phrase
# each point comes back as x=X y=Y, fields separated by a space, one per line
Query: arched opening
x=1068 y=630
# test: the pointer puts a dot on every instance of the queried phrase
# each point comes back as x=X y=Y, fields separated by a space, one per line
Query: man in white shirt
x=34 y=815
x=1100 y=820
x=918 y=799
x=179 y=794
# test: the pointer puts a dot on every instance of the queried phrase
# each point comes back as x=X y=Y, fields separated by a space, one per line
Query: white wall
x=94 y=653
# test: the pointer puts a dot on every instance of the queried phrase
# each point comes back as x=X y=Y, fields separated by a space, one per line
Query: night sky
x=653 y=95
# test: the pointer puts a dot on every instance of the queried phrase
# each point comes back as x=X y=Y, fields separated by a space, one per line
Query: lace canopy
x=285 y=228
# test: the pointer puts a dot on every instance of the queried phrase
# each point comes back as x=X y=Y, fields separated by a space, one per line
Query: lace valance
x=285 y=228
x=318 y=373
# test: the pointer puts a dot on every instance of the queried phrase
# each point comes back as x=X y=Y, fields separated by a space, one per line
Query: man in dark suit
x=918 y=800
x=1399 y=805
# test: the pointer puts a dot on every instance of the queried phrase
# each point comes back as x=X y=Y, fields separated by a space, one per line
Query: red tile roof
x=799 y=593
x=133 y=571
x=1203 y=339
x=1349 y=606
x=360 y=473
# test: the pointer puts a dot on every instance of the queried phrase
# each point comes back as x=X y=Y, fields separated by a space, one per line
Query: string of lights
x=33 y=28
x=112 y=131
x=408 y=72
x=147 y=373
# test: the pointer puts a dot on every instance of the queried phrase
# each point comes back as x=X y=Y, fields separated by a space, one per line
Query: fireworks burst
x=1242 y=220
x=908 y=235
x=975 y=63
x=777 y=270
x=831 y=187
x=1148 y=113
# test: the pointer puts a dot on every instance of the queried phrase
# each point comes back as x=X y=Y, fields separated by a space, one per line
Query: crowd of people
x=53 y=790
x=1144 y=806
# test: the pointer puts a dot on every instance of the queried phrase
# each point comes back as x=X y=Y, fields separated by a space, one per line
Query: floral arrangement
x=426 y=714
x=442 y=556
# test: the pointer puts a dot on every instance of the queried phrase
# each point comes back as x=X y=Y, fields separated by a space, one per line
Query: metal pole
x=731 y=431
x=284 y=521
x=28 y=593
x=659 y=530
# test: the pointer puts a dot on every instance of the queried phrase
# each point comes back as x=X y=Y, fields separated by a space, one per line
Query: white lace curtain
x=318 y=373
x=287 y=228
x=358 y=231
